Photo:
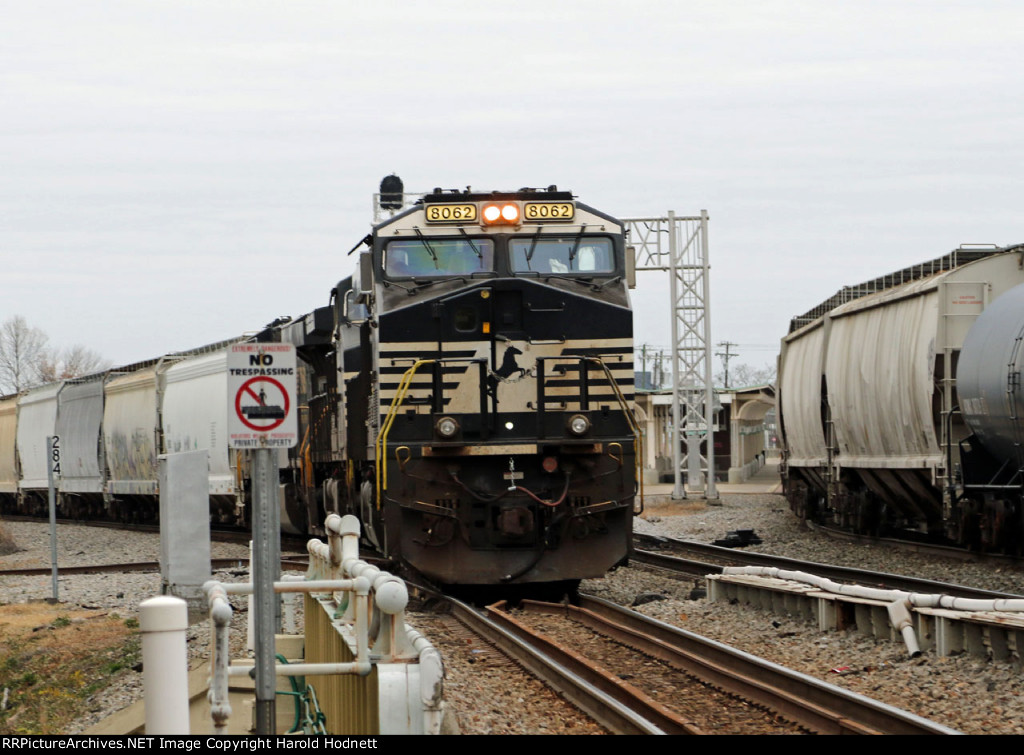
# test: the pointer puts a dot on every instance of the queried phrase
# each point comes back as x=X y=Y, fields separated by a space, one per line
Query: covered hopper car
x=893 y=415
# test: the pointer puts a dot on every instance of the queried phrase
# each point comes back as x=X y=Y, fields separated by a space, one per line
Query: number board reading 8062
x=450 y=213
x=549 y=210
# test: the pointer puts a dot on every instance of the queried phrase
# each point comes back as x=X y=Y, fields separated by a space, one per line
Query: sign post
x=53 y=468
x=263 y=419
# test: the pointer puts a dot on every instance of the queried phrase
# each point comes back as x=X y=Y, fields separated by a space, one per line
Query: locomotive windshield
x=427 y=257
x=567 y=255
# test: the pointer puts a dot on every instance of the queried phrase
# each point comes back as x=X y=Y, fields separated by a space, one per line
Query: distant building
x=742 y=433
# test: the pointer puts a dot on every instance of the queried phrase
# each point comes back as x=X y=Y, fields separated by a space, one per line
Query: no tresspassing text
x=243 y=371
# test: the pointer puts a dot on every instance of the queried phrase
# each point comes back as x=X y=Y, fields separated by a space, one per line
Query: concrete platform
x=765 y=481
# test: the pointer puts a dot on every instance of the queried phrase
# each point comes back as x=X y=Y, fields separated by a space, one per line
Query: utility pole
x=725 y=358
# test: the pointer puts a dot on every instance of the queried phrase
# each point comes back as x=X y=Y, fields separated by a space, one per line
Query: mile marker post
x=53 y=468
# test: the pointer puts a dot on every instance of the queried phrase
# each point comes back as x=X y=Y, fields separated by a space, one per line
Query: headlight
x=447 y=427
x=578 y=424
x=506 y=213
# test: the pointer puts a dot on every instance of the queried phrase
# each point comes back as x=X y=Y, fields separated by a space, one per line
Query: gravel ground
x=115 y=593
x=965 y=693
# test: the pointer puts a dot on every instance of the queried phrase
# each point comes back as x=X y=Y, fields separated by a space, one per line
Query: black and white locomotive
x=472 y=404
x=467 y=394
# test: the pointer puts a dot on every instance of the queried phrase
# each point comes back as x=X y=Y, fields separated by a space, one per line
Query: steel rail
x=216 y=564
x=607 y=711
x=735 y=557
x=803 y=699
x=958 y=553
x=664 y=718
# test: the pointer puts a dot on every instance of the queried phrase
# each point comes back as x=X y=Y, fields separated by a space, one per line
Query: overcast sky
x=175 y=173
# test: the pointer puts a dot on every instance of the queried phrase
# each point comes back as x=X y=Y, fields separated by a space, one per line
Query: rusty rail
x=810 y=702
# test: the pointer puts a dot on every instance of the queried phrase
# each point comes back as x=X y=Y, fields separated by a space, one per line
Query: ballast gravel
x=966 y=693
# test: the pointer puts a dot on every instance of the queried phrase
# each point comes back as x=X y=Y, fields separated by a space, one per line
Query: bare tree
x=743 y=375
x=26 y=359
x=71 y=362
x=21 y=347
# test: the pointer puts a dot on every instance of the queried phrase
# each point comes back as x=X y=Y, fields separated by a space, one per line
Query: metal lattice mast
x=680 y=246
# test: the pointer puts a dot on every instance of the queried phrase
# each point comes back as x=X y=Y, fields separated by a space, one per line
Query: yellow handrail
x=381 y=460
x=637 y=439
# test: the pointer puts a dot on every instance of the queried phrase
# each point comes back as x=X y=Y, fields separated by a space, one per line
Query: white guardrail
x=366 y=608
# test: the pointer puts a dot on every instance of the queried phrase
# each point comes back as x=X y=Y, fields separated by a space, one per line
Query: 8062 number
x=449 y=213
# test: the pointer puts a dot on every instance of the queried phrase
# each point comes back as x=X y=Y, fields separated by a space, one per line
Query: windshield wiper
x=610 y=281
x=576 y=244
x=586 y=282
x=533 y=248
x=529 y=254
x=433 y=254
x=478 y=254
x=417 y=285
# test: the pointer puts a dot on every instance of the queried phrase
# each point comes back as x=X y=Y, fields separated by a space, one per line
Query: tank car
x=481 y=427
x=870 y=404
x=991 y=491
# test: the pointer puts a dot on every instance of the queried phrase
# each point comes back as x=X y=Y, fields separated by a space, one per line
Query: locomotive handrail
x=381 y=461
x=637 y=440
x=584 y=403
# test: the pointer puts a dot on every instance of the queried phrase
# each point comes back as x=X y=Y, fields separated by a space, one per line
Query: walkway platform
x=765 y=481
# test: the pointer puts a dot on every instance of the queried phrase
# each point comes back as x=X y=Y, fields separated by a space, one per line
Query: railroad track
x=218 y=533
x=216 y=564
x=646 y=677
x=913 y=545
x=692 y=559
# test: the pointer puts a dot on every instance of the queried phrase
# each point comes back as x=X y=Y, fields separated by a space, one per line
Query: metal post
x=688 y=266
x=678 y=492
x=266 y=541
x=709 y=393
x=53 y=465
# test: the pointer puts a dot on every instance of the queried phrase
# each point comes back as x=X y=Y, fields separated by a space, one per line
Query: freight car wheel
x=969 y=524
x=797 y=495
x=366 y=514
x=993 y=525
x=295 y=510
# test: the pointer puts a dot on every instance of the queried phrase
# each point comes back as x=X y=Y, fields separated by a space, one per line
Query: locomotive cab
x=500 y=444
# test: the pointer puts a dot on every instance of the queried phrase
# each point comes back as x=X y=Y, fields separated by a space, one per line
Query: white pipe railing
x=221 y=612
x=374 y=603
x=220 y=657
x=339 y=558
x=391 y=638
x=899 y=602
